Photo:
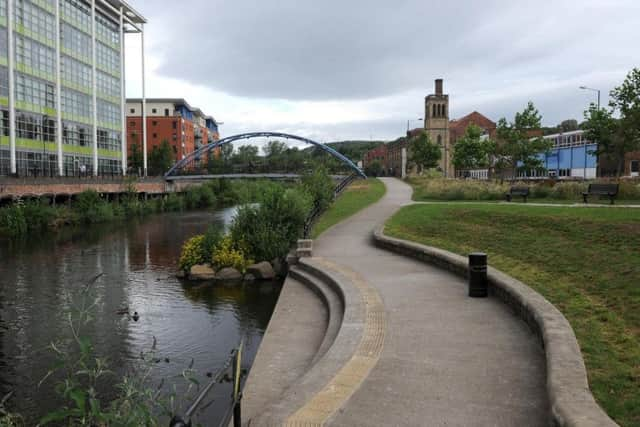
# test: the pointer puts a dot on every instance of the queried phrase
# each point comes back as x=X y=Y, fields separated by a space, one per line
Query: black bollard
x=478 y=286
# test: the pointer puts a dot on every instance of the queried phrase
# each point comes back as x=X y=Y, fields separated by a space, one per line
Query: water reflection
x=39 y=276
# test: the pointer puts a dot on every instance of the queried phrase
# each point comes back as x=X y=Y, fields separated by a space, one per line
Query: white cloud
x=359 y=69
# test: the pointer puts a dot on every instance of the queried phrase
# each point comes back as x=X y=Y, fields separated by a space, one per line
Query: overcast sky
x=356 y=69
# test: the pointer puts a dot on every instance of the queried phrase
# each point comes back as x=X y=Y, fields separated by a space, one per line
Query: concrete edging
x=571 y=401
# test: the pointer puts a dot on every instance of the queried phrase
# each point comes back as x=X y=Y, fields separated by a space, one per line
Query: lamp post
x=585 y=146
x=411 y=120
x=594 y=90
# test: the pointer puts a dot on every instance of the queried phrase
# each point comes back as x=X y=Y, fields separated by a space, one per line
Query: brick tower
x=436 y=123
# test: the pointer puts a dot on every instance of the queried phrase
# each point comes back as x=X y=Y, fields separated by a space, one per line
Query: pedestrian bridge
x=193 y=166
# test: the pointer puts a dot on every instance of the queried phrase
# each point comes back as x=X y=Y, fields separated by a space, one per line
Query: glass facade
x=35 y=88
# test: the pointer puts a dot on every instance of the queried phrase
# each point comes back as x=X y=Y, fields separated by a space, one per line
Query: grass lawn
x=356 y=197
x=585 y=261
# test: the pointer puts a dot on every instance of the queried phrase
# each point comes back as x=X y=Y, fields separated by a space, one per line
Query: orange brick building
x=172 y=119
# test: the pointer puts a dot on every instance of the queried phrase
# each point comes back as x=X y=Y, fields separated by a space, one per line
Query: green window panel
x=25 y=106
x=108 y=43
x=4 y=140
x=109 y=153
x=75 y=24
x=3 y=21
x=112 y=99
x=44 y=5
x=19 y=28
x=108 y=71
x=75 y=56
x=4 y=61
x=35 y=73
x=36 y=144
x=112 y=126
x=76 y=87
x=76 y=118
x=4 y=101
x=76 y=149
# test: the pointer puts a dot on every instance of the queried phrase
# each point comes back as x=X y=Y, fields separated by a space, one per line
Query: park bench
x=609 y=190
x=518 y=191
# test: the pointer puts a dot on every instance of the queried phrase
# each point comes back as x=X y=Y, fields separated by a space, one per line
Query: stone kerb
x=294 y=407
x=572 y=403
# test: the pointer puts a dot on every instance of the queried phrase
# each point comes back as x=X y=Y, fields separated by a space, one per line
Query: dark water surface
x=39 y=276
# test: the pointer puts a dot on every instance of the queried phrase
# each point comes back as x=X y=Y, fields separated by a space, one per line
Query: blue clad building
x=571 y=156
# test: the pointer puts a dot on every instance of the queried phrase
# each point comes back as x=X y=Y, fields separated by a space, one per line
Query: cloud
x=354 y=68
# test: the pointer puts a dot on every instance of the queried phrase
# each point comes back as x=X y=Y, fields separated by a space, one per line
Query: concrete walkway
x=447 y=360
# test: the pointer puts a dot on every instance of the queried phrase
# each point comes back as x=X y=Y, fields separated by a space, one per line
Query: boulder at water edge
x=202 y=272
x=229 y=275
x=262 y=271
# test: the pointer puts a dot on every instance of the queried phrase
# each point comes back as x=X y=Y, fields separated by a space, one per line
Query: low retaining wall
x=572 y=403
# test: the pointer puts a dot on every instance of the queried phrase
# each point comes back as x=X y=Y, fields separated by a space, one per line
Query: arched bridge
x=183 y=167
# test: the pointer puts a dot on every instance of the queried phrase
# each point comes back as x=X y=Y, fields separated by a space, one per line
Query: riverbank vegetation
x=90 y=207
x=356 y=197
x=270 y=219
x=433 y=189
x=584 y=261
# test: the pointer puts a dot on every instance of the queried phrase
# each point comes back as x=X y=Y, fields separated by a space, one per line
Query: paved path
x=515 y=203
x=447 y=360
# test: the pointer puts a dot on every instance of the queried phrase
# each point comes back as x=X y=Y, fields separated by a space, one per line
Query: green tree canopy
x=616 y=137
x=135 y=159
x=161 y=158
x=472 y=151
x=518 y=147
x=424 y=153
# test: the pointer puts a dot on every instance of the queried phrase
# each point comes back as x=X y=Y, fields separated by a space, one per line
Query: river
x=41 y=278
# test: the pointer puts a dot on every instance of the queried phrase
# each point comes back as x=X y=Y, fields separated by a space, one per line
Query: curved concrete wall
x=572 y=403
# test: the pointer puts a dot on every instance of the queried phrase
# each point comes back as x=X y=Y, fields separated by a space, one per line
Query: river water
x=40 y=283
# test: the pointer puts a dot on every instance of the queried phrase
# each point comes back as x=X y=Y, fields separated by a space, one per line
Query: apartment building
x=172 y=119
x=62 y=86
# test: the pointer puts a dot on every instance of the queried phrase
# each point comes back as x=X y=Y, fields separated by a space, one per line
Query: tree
x=373 y=169
x=274 y=153
x=625 y=99
x=135 y=159
x=568 y=125
x=424 y=153
x=519 y=145
x=616 y=137
x=472 y=151
x=246 y=157
x=160 y=158
x=602 y=128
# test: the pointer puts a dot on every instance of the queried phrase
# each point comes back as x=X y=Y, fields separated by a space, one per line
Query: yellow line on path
x=342 y=386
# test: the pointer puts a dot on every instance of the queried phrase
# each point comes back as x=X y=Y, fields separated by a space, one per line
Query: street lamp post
x=594 y=90
x=411 y=120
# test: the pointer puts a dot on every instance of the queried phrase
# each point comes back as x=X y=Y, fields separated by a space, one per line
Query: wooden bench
x=609 y=190
x=518 y=191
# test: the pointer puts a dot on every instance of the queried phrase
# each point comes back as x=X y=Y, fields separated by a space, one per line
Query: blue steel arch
x=210 y=147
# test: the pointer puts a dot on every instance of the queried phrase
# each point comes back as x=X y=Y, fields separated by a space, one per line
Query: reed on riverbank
x=89 y=207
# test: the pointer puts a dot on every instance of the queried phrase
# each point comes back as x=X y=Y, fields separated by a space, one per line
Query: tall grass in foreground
x=458 y=189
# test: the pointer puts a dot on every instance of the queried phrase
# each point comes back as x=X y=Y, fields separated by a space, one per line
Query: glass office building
x=62 y=86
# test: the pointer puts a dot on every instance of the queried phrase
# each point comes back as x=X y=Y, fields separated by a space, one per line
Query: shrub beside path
x=447 y=359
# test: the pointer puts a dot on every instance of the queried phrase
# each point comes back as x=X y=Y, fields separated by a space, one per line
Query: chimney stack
x=438 y=86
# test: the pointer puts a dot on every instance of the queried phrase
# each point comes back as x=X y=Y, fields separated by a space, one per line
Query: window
x=132 y=110
x=635 y=166
x=132 y=123
x=175 y=125
x=154 y=111
x=155 y=135
x=166 y=112
x=154 y=123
